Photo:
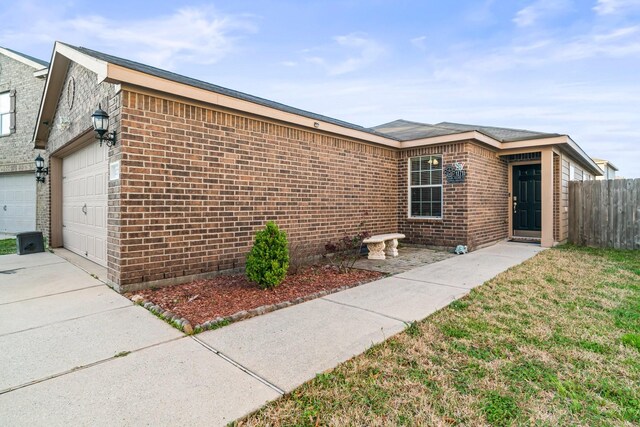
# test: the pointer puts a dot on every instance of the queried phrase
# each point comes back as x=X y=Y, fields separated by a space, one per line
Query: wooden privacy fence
x=605 y=213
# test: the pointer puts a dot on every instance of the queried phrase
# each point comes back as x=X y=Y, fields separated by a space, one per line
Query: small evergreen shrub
x=268 y=260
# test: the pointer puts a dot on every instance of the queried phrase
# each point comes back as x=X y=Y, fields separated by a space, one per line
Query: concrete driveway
x=72 y=351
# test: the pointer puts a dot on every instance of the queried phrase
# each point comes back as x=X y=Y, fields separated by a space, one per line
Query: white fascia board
x=41 y=74
x=456 y=137
x=56 y=73
x=98 y=66
x=21 y=59
x=588 y=161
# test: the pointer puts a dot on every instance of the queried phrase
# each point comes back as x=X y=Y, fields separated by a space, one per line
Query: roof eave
x=61 y=56
x=587 y=161
x=124 y=75
x=20 y=58
x=556 y=140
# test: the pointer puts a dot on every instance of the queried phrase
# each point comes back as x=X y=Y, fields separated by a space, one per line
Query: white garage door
x=84 y=202
x=17 y=202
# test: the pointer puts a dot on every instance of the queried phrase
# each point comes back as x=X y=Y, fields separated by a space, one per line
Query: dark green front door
x=527 y=198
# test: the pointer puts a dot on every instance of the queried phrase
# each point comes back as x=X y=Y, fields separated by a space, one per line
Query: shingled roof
x=164 y=74
x=405 y=130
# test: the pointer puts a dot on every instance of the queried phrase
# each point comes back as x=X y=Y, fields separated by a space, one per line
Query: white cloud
x=480 y=12
x=419 y=42
x=538 y=10
x=610 y=7
x=365 y=51
x=349 y=53
x=197 y=35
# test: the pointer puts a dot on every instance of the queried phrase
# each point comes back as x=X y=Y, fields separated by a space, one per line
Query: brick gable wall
x=197 y=183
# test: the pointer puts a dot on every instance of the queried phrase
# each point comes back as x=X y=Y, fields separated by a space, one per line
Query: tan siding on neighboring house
x=564 y=200
x=579 y=175
x=557 y=208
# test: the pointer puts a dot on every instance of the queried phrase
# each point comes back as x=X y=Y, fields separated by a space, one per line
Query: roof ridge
x=499 y=127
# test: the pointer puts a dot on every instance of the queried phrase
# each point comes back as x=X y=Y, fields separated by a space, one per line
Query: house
x=609 y=169
x=22 y=79
x=197 y=168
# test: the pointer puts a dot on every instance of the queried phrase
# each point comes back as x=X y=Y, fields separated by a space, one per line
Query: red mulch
x=222 y=296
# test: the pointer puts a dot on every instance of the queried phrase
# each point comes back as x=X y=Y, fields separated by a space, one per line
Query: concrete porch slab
x=519 y=251
x=177 y=383
x=54 y=349
x=403 y=299
x=40 y=280
x=475 y=268
x=465 y=271
x=19 y=316
x=290 y=346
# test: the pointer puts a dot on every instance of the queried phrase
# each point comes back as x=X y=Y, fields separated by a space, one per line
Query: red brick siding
x=452 y=228
x=488 y=193
x=197 y=183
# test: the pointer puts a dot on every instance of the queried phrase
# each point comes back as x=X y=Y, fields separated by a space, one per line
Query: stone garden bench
x=377 y=245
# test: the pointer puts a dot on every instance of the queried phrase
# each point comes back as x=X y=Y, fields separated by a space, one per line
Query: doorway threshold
x=523 y=239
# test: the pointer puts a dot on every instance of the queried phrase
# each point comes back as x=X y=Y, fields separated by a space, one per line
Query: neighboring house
x=22 y=81
x=198 y=168
x=609 y=169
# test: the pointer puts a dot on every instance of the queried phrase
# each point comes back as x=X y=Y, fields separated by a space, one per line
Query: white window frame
x=409 y=187
x=11 y=94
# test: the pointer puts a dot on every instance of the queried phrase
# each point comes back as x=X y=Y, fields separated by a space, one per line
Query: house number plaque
x=455 y=173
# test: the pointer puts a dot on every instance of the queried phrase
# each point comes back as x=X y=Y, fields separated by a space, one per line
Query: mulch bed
x=222 y=296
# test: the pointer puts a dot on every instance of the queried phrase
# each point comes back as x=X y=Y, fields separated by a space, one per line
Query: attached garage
x=84 y=202
x=17 y=202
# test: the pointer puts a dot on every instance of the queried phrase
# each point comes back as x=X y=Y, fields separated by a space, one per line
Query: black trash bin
x=29 y=242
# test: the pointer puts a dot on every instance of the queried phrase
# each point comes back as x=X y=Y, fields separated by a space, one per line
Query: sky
x=561 y=66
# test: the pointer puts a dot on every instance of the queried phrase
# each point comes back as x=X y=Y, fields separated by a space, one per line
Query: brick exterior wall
x=475 y=212
x=16 y=149
x=197 y=183
x=452 y=229
x=488 y=196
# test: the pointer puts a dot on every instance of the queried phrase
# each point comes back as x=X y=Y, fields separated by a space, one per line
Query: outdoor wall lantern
x=100 y=120
x=41 y=171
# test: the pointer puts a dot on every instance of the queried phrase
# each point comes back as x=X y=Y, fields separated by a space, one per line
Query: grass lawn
x=554 y=341
x=7 y=246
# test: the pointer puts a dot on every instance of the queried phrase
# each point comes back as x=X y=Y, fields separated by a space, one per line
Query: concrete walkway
x=72 y=351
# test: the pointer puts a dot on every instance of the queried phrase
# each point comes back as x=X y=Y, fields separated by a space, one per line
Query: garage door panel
x=17 y=202
x=84 y=194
